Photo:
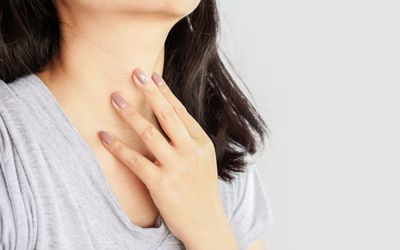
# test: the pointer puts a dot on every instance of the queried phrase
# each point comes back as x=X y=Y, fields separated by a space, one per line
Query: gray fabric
x=54 y=195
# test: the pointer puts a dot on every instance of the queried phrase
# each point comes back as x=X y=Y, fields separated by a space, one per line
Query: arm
x=257 y=245
x=251 y=212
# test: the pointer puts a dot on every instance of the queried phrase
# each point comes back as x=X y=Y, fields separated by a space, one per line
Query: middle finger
x=153 y=139
x=165 y=113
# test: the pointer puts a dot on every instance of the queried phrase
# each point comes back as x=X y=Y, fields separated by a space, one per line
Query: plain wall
x=326 y=77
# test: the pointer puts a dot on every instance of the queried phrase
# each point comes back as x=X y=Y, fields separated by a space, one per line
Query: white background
x=325 y=75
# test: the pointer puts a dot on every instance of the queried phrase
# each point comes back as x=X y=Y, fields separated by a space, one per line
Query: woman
x=122 y=129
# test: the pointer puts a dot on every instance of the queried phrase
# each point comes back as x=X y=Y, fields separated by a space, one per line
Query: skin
x=183 y=181
x=102 y=42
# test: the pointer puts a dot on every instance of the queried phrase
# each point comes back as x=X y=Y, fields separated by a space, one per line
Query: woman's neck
x=98 y=55
x=96 y=58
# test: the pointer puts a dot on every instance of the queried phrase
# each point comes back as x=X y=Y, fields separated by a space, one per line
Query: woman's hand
x=183 y=181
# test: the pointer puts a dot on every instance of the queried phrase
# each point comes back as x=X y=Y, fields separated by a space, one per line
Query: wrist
x=217 y=234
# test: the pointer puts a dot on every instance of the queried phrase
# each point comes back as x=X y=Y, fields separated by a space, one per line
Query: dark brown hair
x=192 y=67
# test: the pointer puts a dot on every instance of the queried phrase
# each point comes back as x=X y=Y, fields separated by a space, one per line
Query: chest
x=128 y=190
x=131 y=193
x=124 y=187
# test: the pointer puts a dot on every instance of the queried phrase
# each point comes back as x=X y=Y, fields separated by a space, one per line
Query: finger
x=149 y=134
x=169 y=120
x=193 y=127
x=137 y=163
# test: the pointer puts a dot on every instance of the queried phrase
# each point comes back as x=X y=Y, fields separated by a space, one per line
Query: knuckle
x=168 y=114
x=130 y=111
x=170 y=182
x=207 y=142
x=132 y=159
x=116 y=147
x=149 y=132
x=151 y=90
x=200 y=153
x=181 y=110
x=163 y=88
x=197 y=154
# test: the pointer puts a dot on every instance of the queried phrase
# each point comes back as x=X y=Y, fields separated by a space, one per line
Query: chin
x=175 y=8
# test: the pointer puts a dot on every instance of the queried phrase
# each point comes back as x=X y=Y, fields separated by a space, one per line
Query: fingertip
x=158 y=80
x=105 y=137
x=140 y=76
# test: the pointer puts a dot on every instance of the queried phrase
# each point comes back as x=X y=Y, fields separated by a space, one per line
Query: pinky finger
x=142 y=167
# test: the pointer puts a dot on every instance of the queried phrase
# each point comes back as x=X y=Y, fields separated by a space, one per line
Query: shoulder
x=9 y=95
x=15 y=113
x=14 y=100
x=15 y=222
x=9 y=91
x=8 y=107
x=4 y=100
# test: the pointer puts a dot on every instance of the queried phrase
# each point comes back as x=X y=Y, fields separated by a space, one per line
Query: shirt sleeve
x=7 y=225
x=251 y=212
x=18 y=223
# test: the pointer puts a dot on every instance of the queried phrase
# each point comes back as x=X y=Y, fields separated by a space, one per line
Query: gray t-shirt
x=54 y=195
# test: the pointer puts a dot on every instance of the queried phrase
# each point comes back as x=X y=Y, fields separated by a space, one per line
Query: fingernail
x=118 y=99
x=141 y=76
x=105 y=137
x=157 y=79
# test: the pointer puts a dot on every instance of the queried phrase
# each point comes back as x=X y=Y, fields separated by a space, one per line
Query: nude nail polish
x=157 y=79
x=141 y=76
x=105 y=137
x=118 y=99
